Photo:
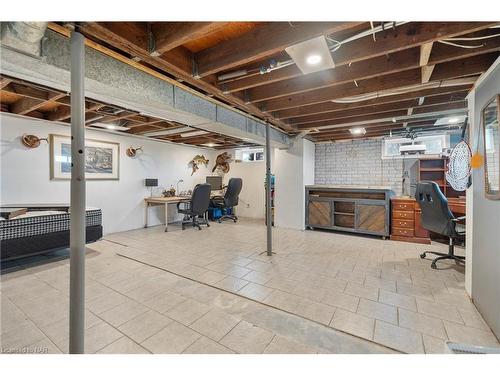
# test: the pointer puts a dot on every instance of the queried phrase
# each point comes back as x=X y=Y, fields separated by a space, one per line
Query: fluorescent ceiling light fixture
x=211 y=144
x=193 y=134
x=312 y=55
x=357 y=131
x=450 y=120
x=110 y=126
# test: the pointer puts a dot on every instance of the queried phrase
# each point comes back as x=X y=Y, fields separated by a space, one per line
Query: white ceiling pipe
x=407 y=89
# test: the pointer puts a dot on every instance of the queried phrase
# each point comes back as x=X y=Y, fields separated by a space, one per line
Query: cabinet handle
x=403 y=206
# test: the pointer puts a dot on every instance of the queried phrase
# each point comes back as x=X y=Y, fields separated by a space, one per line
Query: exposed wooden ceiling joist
x=261 y=42
x=169 y=35
x=178 y=62
x=465 y=67
x=452 y=92
x=404 y=37
x=445 y=100
x=387 y=116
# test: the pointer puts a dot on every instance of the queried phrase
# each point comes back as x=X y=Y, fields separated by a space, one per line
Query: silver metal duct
x=25 y=37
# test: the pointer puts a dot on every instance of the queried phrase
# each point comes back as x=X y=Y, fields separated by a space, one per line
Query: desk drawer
x=403 y=206
x=402 y=224
x=407 y=215
x=402 y=232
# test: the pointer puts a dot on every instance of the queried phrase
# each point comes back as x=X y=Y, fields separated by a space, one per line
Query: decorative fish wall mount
x=195 y=163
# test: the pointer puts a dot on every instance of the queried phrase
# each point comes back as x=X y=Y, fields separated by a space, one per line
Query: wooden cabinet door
x=419 y=229
x=371 y=218
x=319 y=213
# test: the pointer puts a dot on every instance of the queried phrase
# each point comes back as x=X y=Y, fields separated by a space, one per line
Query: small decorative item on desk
x=169 y=193
x=196 y=161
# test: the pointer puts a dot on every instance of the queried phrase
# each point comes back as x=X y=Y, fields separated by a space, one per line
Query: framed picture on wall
x=101 y=159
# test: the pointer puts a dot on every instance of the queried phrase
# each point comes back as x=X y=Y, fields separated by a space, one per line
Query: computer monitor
x=215 y=182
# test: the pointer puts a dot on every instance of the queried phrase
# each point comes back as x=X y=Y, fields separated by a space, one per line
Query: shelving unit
x=435 y=170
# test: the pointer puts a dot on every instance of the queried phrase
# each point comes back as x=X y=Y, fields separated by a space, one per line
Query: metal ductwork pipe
x=25 y=37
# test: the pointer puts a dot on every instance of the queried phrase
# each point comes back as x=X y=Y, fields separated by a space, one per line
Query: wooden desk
x=406 y=219
x=457 y=206
x=165 y=201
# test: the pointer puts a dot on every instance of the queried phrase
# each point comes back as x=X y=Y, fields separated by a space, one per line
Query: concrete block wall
x=357 y=162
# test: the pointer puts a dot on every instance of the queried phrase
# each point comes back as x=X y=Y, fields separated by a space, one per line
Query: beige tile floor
x=212 y=291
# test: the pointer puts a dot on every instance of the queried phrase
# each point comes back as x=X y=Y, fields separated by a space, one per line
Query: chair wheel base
x=422 y=255
x=433 y=266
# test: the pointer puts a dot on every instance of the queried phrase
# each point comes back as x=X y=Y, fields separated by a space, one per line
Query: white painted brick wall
x=356 y=163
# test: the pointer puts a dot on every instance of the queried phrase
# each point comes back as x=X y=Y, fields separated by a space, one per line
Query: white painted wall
x=252 y=196
x=25 y=176
x=294 y=168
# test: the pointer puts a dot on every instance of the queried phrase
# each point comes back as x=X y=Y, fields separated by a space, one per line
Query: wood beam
x=440 y=107
x=262 y=42
x=169 y=35
x=386 y=116
x=425 y=53
x=27 y=105
x=455 y=69
x=412 y=103
x=178 y=62
x=4 y=82
x=360 y=70
x=404 y=37
x=63 y=112
x=452 y=93
x=391 y=81
x=427 y=73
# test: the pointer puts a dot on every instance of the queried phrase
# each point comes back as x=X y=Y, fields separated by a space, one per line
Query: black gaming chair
x=230 y=199
x=197 y=206
x=437 y=218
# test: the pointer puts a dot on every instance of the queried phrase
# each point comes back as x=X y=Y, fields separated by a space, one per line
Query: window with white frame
x=434 y=145
x=250 y=155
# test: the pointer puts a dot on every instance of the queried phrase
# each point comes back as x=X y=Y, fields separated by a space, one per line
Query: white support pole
x=77 y=204
x=268 y=193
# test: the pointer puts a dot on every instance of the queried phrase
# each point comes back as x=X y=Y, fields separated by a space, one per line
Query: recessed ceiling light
x=210 y=144
x=110 y=126
x=357 y=131
x=314 y=59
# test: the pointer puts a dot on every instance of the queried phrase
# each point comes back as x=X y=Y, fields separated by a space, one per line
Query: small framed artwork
x=101 y=159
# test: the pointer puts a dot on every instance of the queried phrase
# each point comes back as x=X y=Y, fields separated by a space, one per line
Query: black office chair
x=229 y=200
x=437 y=218
x=196 y=207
